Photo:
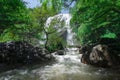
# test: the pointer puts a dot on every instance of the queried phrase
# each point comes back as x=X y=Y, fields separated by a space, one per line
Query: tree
x=12 y=12
x=54 y=40
x=39 y=17
x=54 y=5
x=14 y=19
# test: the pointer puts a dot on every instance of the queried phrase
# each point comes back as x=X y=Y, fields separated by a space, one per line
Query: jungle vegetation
x=95 y=19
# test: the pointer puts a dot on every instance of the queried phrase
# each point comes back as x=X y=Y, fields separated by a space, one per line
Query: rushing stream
x=67 y=67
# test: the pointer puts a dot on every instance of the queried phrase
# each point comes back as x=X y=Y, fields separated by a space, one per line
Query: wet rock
x=85 y=51
x=59 y=52
x=21 y=52
x=99 y=55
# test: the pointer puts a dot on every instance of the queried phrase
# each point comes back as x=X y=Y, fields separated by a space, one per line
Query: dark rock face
x=99 y=55
x=21 y=52
x=85 y=51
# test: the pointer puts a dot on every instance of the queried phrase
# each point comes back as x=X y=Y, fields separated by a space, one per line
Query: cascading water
x=66 y=18
x=66 y=67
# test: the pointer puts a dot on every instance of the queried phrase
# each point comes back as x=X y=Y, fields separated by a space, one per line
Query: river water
x=66 y=67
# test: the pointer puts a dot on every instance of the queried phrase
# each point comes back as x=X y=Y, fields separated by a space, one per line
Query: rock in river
x=100 y=55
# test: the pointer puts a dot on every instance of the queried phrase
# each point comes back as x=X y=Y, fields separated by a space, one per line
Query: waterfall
x=66 y=17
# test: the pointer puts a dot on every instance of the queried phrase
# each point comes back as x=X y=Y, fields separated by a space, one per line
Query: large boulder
x=59 y=52
x=100 y=55
x=21 y=52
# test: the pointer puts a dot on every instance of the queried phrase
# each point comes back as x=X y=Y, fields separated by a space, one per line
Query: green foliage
x=54 y=42
x=14 y=20
x=109 y=35
x=100 y=18
x=54 y=5
x=12 y=12
x=83 y=32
